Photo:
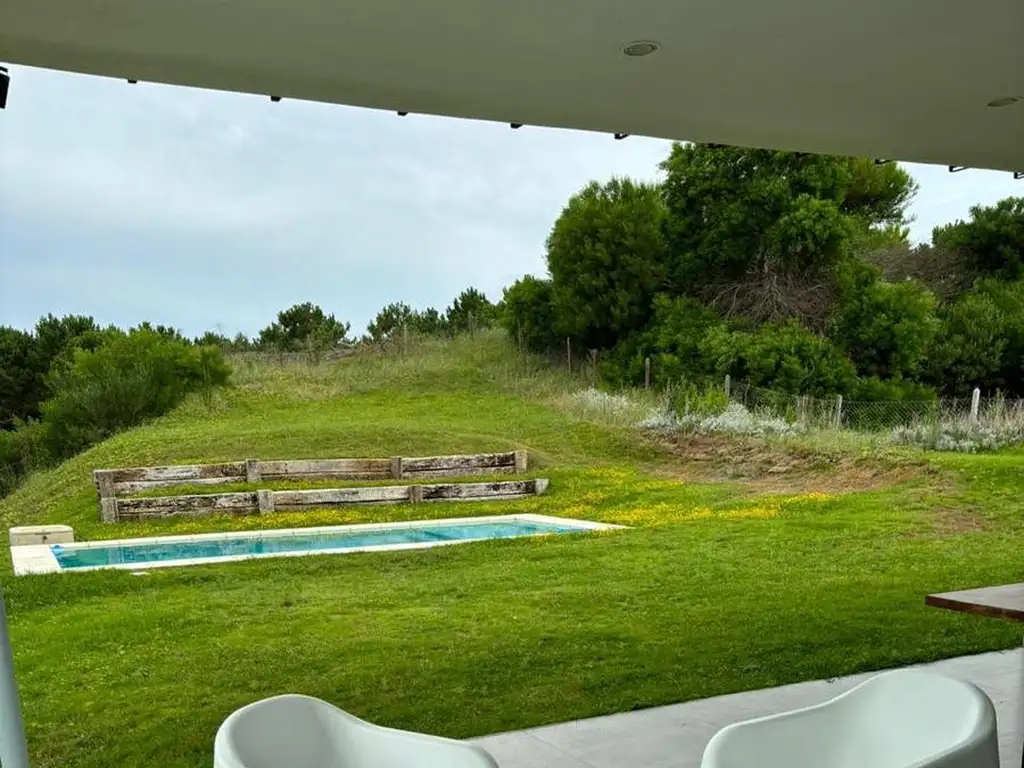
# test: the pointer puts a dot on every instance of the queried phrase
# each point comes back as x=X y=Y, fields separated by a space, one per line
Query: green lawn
x=713 y=589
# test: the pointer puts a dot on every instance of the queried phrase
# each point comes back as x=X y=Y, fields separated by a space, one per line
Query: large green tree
x=759 y=232
x=606 y=255
x=27 y=358
x=19 y=387
x=992 y=241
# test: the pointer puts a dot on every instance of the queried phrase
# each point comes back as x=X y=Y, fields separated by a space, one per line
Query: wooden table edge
x=965 y=606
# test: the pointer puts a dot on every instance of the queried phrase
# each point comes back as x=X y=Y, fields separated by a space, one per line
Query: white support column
x=13 y=751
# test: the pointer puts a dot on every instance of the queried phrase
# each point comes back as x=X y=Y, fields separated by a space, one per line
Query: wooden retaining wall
x=122 y=482
x=262 y=502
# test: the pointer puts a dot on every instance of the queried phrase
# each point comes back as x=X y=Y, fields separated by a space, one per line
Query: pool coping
x=39 y=558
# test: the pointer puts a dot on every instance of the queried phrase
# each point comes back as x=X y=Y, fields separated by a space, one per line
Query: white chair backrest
x=302 y=732
x=901 y=719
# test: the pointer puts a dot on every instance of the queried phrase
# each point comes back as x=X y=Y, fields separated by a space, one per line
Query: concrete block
x=27 y=535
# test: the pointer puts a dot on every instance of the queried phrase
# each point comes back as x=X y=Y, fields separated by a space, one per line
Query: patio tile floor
x=674 y=736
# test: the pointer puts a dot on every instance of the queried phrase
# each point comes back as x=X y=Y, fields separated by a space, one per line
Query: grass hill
x=716 y=586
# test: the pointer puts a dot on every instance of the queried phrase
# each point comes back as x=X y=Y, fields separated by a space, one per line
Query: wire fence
x=837 y=413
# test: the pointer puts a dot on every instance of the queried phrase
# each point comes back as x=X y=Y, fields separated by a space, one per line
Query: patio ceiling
x=899 y=79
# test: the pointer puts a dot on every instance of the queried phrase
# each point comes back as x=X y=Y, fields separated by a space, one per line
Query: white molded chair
x=302 y=732
x=902 y=719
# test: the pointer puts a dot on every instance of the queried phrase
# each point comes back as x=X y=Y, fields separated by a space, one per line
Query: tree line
x=792 y=271
x=69 y=383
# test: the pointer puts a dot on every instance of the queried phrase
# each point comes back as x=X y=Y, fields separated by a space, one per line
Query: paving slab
x=674 y=736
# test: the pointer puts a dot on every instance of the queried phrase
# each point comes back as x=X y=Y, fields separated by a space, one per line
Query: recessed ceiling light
x=640 y=48
x=1005 y=101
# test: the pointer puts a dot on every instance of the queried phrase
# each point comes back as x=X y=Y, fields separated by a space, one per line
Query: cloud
x=202 y=209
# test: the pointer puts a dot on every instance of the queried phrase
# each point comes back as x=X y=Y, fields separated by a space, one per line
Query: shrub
x=981 y=342
x=885 y=328
x=470 y=311
x=672 y=340
x=398 y=318
x=304 y=327
x=135 y=376
x=22 y=450
x=529 y=315
x=960 y=436
x=735 y=419
x=872 y=389
x=876 y=404
x=784 y=357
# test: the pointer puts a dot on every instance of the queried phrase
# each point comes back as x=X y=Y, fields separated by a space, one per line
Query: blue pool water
x=118 y=554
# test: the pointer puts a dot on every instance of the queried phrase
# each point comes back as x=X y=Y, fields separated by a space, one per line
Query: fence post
x=839 y=412
x=396 y=467
x=405 y=339
x=975 y=404
x=728 y=386
x=647 y=373
x=253 y=473
x=568 y=352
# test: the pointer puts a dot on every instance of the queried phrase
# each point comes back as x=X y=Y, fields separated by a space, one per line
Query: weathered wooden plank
x=307 y=469
x=268 y=501
x=437 y=473
x=138 y=487
x=460 y=463
x=191 y=504
x=482 y=491
x=182 y=472
x=337 y=496
x=158 y=514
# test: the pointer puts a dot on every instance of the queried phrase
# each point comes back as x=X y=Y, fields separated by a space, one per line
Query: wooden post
x=522 y=457
x=108 y=499
x=405 y=339
x=568 y=352
x=839 y=412
x=252 y=471
x=108 y=509
x=415 y=494
x=396 y=467
x=647 y=373
x=265 y=499
x=728 y=386
x=975 y=404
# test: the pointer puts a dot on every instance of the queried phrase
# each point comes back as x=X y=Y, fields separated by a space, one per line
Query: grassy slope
x=711 y=591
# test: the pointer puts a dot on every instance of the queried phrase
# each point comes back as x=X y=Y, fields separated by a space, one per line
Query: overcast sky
x=207 y=210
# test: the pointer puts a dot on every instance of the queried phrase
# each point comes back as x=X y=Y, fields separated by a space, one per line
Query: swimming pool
x=168 y=551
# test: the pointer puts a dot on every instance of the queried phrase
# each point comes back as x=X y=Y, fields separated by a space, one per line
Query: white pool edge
x=39 y=558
